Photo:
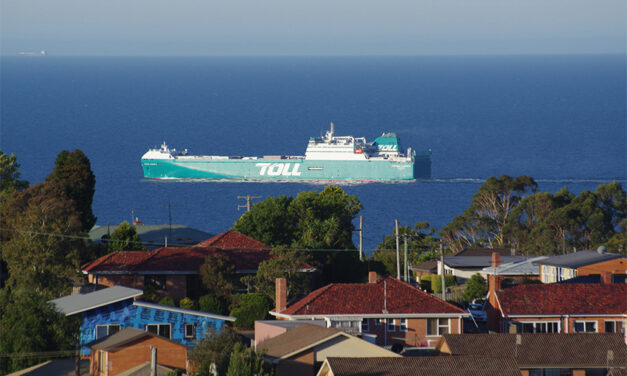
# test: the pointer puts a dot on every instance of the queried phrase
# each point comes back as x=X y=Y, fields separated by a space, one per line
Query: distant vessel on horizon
x=326 y=158
x=40 y=53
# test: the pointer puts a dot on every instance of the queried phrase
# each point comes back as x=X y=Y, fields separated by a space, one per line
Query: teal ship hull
x=287 y=169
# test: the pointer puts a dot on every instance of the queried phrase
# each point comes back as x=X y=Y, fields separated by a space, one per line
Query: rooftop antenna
x=385 y=297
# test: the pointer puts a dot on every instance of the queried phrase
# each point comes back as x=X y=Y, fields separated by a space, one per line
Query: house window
x=402 y=323
x=611 y=327
x=540 y=327
x=379 y=321
x=190 y=330
x=155 y=281
x=437 y=327
x=365 y=326
x=391 y=326
x=107 y=330
x=585 y=326
x=163 y=330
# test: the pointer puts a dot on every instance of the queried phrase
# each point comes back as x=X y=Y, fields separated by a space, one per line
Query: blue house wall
x=128 y=315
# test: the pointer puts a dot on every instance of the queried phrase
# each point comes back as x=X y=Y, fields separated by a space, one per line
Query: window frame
x=102 y=360
x=402 y=325
x=379 y=321
x=159 y=326
x=439 y=326
x=585 y=322
x=108 y=327
x=193 y=329
x=536 y=324
x=614 y=326
x=365 y=325
x=391 y=327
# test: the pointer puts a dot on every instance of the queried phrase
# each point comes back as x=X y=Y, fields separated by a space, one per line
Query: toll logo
x=279 y=169
x=388 y=147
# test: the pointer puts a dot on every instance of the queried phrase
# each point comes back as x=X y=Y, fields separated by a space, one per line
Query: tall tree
x=269 y=222
x=217 y=274
x=125 y=238
x=246 y=362
x=72 y=171
x=212 y=354
x=482 y=223
x=42 y=248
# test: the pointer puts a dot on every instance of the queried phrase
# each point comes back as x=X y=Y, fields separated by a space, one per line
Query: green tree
x=246 y=362
x=420 y=240
x=43 y=247
x=213 y=303
x=72 y=171
x=167 y=301
x=28 y=324
x=10 y=176
x=476 y=287
x=125 y=238
x=283 y=264
x=217 y=274
x=213 y=352
x=247 y=308
x=269 y=222
x=187 y=303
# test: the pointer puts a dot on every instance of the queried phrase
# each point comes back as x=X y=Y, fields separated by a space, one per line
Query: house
x=581 y=263
x=420 y=366
x=393 y=311
x=463 y=267
x=526 y=269
x=556 y=308
x=544 y=354
x=424 y=268
x=301 y=351
x=174 y=271
x=154 y=236
x=108 y=311
x=130 y=349
x=483 y=252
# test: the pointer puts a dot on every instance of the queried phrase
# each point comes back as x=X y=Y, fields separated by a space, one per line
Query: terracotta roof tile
x=424 y=366
x=369 y=298
x=553 y=350
x=557 y=299
x=232 y=240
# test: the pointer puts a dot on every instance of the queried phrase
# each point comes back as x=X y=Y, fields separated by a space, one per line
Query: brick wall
x=416 y=334
x=616 y=266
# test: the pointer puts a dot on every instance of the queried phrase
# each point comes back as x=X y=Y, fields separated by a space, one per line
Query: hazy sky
x=314 y=27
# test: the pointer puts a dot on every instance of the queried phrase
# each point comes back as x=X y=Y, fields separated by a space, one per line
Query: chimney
x=372 y=277
x=281 y=294
x=606 y=278
x=496 y=259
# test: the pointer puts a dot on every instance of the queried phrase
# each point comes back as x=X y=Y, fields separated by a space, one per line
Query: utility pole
x=406 y=268
x=442 y=272
x=361 y=233
x=398 y=258
x=248 y=198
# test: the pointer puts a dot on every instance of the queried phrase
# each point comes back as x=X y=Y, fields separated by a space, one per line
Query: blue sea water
x=559 y=119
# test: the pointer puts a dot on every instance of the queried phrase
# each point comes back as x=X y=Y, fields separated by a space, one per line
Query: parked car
x=477 y=311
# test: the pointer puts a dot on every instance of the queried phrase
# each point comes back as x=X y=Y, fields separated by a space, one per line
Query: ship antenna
x=332 y=129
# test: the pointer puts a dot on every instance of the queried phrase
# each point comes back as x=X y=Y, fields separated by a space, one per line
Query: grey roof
x=427 y=266
x=77 y=303
x=116 y=342
x=144 y=370
x=477 y=261
x=579 y=259
x=291 y=324
x=523 y=267
x=183 y=310
x=180 y=235
x=485 y=252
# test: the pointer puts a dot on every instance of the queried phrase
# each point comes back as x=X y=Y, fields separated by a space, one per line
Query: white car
x=477 y=311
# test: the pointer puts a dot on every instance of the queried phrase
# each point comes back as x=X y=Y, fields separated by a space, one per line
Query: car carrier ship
x=326 y=158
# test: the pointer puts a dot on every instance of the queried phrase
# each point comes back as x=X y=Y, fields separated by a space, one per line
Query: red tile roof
x=232 y=240
x=370 y=298
x=183 y=259
x=558 y=299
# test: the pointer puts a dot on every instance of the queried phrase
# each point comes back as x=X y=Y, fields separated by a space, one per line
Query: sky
x=313 y=27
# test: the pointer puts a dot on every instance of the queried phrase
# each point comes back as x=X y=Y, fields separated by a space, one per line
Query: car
x=477 y=311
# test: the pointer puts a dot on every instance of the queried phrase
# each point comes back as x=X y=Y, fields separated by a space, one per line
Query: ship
x=327 y=158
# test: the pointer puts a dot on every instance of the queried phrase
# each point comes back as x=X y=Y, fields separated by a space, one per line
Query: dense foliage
x=217 y=274
x=125 y=238
x=10 y=175
x=247 y=308
x=246 y=362
x=212 y=354
x=29 y=325
x=476 y=287
x=72 y=172
x=312 y=220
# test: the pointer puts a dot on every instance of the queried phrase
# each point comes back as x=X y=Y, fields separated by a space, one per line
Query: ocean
x=560 y=119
